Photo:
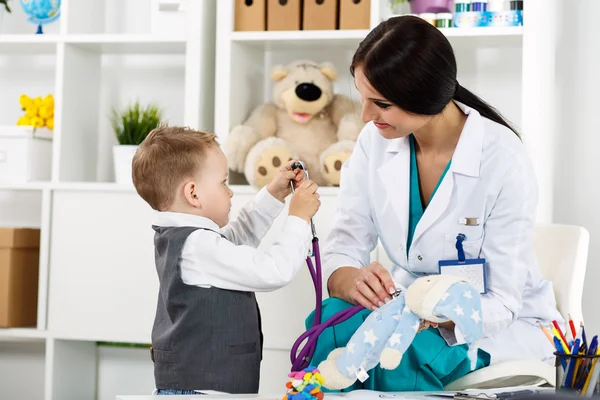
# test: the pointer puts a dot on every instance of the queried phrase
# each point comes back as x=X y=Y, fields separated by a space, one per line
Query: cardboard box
x=355 y=14
x=19 y=270
x=320 y=15
x=250 y=15
x=283 y=15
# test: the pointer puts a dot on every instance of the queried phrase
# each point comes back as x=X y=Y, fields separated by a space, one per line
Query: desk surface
x=357 y=394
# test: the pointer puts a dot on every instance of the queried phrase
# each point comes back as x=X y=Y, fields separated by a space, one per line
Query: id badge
x=472 y=270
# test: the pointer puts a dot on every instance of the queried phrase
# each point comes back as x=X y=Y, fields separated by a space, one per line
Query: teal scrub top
x=416 y=208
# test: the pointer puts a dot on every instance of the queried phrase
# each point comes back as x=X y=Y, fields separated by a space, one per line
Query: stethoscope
x=301 y=359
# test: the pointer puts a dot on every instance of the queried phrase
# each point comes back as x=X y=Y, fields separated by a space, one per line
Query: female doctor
x=433 y=161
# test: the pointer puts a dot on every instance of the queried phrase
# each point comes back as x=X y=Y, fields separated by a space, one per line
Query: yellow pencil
x=565 y=347
x=587 y=380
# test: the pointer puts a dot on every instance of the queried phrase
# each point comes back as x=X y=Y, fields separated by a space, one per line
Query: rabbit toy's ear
x=363 y=351
x=461 y=303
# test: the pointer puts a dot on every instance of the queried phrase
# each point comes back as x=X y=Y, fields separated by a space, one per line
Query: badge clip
x=469 y=221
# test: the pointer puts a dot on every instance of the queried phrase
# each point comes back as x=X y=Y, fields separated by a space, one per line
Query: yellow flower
x=49 y=101
x=46 y=112
x=31 y=111
x=25 y=101
x=50 y=123
x=38 y=101
x=24 y=120
x=37 y=122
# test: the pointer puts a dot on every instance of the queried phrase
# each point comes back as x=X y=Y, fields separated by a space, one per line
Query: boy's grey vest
x=203 y=338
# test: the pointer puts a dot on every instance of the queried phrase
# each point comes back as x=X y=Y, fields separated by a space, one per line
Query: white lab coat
x=490 y=178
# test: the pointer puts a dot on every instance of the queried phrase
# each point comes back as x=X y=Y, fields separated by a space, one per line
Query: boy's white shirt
x=235 y=263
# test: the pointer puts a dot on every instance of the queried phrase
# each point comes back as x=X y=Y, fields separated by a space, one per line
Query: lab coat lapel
x=395 y=177
x=465 y=161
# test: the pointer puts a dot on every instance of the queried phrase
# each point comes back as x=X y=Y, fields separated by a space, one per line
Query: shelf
x=271 y=40
x=25 y=185
x=128 y=44
x=282 y=40
x=22 y=334
x=93 y=187
x=483 y=31
x=28 y=43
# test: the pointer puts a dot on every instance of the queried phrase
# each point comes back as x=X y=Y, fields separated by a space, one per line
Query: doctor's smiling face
x=392 y=121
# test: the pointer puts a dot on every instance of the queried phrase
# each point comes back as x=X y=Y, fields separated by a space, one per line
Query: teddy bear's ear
x=278 y=73
x=328 y=70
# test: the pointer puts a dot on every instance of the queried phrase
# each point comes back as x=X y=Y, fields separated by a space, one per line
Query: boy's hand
x=305 y=201
x=280 y=185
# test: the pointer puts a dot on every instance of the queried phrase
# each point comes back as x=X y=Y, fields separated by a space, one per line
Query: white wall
x=577 y=165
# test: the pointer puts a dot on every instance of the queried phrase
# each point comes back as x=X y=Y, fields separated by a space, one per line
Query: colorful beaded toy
x=305 y=385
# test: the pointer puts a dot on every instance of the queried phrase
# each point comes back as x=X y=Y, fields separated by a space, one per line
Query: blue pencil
x=560 y=351
x=583 y=338
x=572 y=363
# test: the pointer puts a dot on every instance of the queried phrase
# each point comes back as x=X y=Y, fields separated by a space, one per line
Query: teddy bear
x=306 y=121
x=387 y=332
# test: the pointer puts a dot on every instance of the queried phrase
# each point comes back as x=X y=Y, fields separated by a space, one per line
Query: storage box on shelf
x=25 y=154
x=19 y=267
x=121 y=17
x=277 y=15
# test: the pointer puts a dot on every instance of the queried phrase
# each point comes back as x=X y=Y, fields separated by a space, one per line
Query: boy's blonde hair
x=168 y=155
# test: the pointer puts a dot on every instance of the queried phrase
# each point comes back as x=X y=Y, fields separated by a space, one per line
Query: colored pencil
x=548 y=335
x=562 y=336
x=572 y=326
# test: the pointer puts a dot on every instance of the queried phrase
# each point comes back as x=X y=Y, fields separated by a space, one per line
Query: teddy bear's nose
x=308 y=92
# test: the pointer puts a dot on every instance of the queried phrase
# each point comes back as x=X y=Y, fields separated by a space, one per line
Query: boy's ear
x=190 y=193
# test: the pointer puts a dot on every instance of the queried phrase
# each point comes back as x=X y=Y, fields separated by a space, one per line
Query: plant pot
x=431 y=6
x=122 y=158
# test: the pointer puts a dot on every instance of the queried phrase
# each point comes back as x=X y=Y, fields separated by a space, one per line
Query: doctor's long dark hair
x=412 y=64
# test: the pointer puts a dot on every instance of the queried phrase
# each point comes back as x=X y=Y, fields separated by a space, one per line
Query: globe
x=41 y=11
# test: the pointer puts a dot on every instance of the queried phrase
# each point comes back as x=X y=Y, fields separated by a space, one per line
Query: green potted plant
x=5 y=4
x=4 y=10
x=131 y=125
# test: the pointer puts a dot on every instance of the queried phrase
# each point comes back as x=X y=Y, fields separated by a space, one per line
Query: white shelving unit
x=98 y=55
x=97 y=278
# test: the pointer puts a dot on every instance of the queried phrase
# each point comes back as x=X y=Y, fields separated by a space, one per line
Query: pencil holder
x=578 y=373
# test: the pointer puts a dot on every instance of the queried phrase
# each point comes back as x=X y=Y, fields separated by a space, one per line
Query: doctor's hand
x=279 y=187
x=305 y=202
x=370 y=286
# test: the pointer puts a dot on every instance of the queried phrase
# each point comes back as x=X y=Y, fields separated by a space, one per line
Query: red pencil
x=562 y=336
x=572 y=325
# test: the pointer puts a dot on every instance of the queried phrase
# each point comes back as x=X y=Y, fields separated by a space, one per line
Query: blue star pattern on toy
x=388 y=331
x=363 y=351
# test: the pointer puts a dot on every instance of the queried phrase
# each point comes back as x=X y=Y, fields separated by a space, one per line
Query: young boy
x=207 y=332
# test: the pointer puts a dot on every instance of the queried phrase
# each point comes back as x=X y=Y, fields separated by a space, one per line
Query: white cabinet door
x=103 y=283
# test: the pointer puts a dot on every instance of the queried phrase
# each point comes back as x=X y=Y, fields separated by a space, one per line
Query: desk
x=355 y=395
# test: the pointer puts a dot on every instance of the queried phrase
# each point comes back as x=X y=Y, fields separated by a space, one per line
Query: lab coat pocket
x=471 y=245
